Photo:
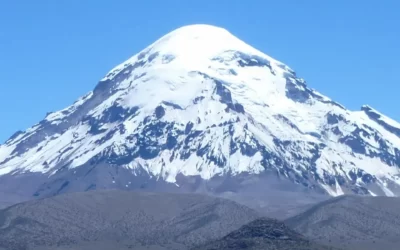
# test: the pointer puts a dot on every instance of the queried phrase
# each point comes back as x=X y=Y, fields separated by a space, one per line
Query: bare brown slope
x=353 y=222
x=126 y=219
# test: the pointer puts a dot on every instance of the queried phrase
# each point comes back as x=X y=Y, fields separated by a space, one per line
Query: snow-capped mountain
x=200 y=103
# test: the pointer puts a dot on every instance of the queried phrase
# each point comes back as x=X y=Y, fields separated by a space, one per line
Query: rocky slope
x=264 y=234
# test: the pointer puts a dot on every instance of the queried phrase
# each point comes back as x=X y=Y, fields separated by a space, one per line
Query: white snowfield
x=339 y=149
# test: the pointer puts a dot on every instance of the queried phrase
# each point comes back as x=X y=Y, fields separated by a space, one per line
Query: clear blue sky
x=52 y=52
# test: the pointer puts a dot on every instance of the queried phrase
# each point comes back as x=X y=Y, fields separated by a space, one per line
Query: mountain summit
x=197 y=109
x=193 y=46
